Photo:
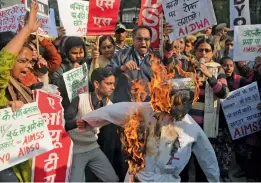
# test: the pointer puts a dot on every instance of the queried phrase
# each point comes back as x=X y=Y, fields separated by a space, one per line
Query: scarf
x=18 y=91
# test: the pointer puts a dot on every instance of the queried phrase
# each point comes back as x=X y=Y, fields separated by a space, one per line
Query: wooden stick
x=37 y=43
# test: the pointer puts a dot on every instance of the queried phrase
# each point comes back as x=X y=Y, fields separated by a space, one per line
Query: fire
x=135 y=133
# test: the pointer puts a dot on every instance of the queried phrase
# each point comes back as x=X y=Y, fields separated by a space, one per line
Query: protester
x=120 y=35
x=204 y=49
x=86 y=151
x=227 y=51
x=207 y=33
x=16 y=61
x=224 y=144
x=132 y=63
x=220 y=36
x=73 y=56
x=102 y=53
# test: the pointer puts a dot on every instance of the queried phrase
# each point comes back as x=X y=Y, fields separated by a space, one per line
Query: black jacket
x=122 y=91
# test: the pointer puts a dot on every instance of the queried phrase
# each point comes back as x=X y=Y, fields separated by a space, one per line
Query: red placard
x=103 y=17
x=150 y=15
x=53 y=166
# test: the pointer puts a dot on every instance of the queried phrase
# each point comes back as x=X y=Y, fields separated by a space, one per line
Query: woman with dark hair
x=102 y=53
x=73 y=55
x=214 y=86
x=16 y=62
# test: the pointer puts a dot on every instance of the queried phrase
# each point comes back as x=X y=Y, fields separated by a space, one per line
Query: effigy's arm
x=117 y=114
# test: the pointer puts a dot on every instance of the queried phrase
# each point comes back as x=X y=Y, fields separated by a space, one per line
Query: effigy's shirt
x=160 y=165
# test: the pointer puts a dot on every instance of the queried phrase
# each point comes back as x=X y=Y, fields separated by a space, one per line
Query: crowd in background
x=112 y=66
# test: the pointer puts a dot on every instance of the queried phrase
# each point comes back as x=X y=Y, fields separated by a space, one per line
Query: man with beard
x=120 y=35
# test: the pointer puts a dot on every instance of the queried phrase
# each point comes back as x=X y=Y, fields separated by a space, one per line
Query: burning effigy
x=159 y=136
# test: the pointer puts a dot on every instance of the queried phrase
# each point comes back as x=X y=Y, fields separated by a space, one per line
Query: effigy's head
x=182 y=96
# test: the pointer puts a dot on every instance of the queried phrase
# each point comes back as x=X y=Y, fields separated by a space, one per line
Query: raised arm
x=31 y=26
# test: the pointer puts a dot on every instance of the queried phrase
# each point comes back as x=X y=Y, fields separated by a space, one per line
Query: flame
x=135 y=133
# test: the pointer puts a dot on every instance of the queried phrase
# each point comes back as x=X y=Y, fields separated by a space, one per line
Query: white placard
x=12 y=19
x=247 y=42
x=23 y=135
x=239 y=13
x=241 y=113
x=74 y=16
x=188 y=17
x=76 y=81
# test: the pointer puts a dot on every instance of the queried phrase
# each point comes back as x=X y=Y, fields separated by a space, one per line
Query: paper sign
x=103 y=17
x=239 y=13
x=241 y=113
x=74 y=16
x=12 y=19
x=76 y=81
x=43 y=8
x=150 y=15
x=247 y=39
x=53 y=166
x=188 y=17
x=23 y=135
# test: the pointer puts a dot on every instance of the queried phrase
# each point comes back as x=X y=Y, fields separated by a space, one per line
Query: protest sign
x=150 y=15
x=43 y=8
x=103 y=17
x=23 y=135
x=188 y=17
x=247 y=42
x=241 y=113
x=53 y=166
x=12 y=19
x=239 y=13
x=74 y=16
x=76 y=81
x=9 y=18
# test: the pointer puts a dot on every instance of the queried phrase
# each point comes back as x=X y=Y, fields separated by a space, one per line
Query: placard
x=188 y=17
x=55 y=165
x=23 y=135
x=239 y=13
x=76 y=81
x=241 y=113
x=12 y=19
x=74 y=16
x=247 y=39
x=103 y=17
x=150 y=15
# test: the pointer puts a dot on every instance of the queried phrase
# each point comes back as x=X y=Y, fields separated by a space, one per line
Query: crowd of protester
x=98 y=154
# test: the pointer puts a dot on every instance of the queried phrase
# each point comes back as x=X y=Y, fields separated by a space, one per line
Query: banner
x=150 y=15
x=23 y=135
x=103 y=17
x=74 y=16
x=53 y=166
x=247 y=42
x=12 y=19
x=76 y=81
x=188 y=17
x=239 y=13
x=241 y=113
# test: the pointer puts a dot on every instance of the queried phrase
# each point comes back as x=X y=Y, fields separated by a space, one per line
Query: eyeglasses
x=230 y=44
x=204 y=49
x=26 y=61
x=109 y=47
x=140 y=39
